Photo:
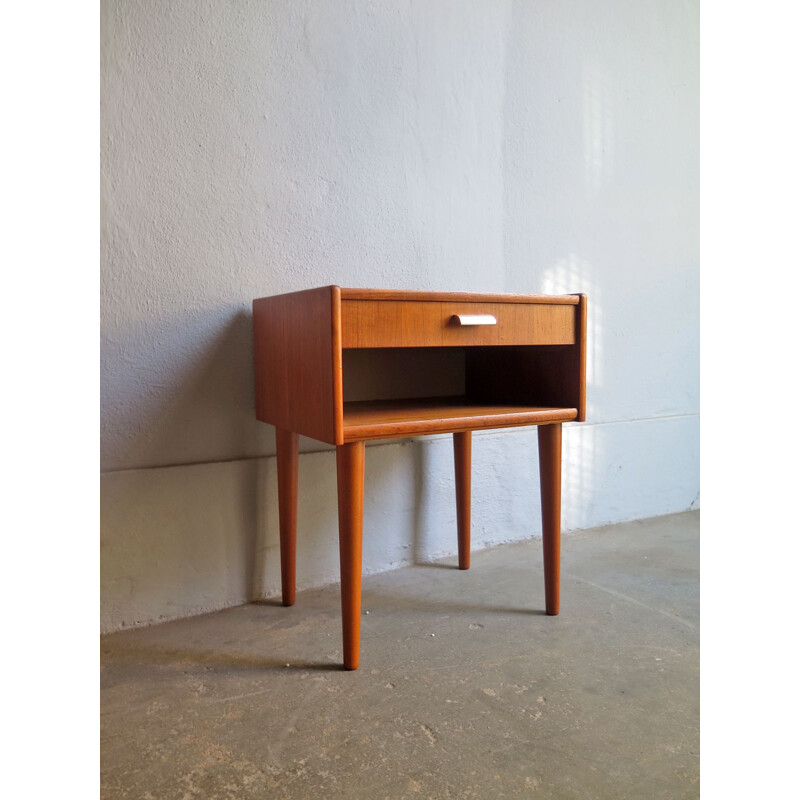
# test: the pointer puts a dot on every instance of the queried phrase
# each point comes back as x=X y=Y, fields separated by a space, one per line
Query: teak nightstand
x=456 y=363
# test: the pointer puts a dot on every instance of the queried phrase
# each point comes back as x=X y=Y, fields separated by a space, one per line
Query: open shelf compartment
x=415 y=391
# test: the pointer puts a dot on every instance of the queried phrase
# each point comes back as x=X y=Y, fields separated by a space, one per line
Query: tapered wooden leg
x=462 y=452
x=550 y=481
x=350 y=479
x=287 y=449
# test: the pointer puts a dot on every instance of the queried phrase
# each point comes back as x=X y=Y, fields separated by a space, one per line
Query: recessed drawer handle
x=475 y=319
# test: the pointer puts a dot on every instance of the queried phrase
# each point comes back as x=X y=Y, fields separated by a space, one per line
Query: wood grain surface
x=388 y=419
x=462 y=456
x=350 y=483
x=550 y=483
x=403 y=323
x=464 y=297
x=287 y=457
x=298 y=377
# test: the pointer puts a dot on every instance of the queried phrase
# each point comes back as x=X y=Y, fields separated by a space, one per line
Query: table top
x=464 y=297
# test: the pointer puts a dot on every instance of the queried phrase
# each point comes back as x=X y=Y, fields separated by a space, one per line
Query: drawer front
x=409 y=323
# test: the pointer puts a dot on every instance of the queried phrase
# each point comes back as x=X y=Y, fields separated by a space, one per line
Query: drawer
x=419 y=323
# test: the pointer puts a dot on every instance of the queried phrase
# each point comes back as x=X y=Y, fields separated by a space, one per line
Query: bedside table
x=430 y=362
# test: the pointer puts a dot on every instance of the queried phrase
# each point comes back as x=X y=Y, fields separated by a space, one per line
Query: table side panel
x=407 y=323
x=295 y=363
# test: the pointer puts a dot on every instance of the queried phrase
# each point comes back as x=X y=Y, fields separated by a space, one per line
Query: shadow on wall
x=195 y=403
x=177 y=541
x=421 y=499
x=264 y=546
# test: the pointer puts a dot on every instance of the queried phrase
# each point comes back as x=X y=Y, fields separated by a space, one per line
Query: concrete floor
x=466 y=689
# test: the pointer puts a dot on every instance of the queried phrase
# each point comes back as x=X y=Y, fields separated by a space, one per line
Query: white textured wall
x=252 y=148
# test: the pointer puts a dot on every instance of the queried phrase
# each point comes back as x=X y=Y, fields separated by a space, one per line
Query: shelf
x=388 y=419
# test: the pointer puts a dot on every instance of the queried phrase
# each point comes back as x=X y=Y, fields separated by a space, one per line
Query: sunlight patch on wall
x=569 y=275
